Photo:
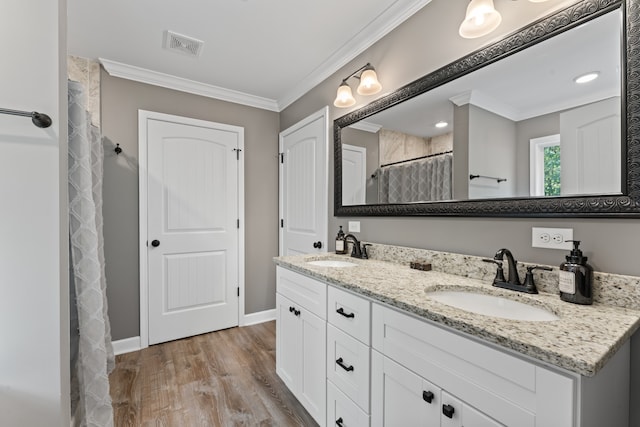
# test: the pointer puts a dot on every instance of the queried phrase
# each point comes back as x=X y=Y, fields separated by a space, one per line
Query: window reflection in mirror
x=489 y=119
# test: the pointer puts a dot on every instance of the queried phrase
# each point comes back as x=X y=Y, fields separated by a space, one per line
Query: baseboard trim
x=126 y=345
x=259 y=317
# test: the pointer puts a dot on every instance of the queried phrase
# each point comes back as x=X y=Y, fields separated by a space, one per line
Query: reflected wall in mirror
x=507 y=130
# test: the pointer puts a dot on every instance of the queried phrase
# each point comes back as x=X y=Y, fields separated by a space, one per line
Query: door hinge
x=281 y=157
x=282 y=223
x=238 y=223
x=237 y=150
x=238 y=290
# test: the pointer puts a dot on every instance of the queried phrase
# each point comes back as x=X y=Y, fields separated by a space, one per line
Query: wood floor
x=225 y=378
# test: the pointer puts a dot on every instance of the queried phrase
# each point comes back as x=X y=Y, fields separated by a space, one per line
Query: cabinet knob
x=155 y=243
x=340 y=363
x=339 y=422
x=341 y=312
x=427 y=396
x=448 y=411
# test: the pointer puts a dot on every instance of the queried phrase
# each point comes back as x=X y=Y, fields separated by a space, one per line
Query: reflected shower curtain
x=416 y=181
x=92 y=352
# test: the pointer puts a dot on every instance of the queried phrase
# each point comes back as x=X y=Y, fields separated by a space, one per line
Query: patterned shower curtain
x=416 y=181
x=92 y=352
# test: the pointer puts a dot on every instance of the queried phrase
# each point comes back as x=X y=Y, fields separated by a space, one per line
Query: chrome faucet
x=356 y=252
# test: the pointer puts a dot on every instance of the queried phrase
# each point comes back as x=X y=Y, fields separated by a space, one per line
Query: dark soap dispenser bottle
x=576 y=277
x=341 y=243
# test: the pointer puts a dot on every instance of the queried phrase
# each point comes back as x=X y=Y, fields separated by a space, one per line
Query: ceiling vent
x=182 y=44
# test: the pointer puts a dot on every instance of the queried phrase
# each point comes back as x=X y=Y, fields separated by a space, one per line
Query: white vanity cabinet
x=352 y=361
x=301 y=331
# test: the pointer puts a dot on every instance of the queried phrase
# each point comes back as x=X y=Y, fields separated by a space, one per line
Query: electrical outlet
x=354 y=226
x=551 y=238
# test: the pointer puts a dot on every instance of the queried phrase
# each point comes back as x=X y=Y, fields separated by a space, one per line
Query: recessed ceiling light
x=442 y=124
x=586 y=78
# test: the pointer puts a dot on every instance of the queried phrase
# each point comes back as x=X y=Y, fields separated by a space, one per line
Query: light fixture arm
x=364 y=67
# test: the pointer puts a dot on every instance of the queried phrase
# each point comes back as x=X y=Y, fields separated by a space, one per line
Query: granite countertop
x=581 y=341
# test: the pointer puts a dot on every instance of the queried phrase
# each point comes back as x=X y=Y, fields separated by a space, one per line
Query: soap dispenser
x=341 y=243
x=576 y=277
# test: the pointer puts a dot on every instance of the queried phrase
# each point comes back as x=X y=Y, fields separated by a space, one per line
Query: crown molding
x=130 y=72
x=378 y=28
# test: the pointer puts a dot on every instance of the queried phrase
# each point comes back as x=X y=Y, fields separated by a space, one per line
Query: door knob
x=317 y=245
x=155 y=243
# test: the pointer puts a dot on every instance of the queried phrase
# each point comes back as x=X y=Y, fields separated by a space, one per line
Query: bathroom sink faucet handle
x=529 y=284
x=365 y=254
x=499 y=272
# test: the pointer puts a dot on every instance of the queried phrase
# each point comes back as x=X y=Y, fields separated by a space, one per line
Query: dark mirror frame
x=625 y=205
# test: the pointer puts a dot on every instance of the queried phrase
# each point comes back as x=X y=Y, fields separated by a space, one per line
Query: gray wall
x=416 y=48
x=121 y=100
x=536 y=127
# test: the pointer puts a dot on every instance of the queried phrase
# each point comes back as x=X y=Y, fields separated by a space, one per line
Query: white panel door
x=354 y=175
x=590 y=147
x=303 y=186
x=192 y=233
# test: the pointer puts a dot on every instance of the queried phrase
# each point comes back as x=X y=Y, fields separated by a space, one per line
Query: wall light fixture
x=369 y=85
x=481 y=19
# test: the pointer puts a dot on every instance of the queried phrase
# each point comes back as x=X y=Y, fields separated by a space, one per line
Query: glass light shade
x=481 y=19
x=369 y=84
x=344 y=97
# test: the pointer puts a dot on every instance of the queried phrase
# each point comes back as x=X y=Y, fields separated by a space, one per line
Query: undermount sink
x=331 y=263
x=491 y=305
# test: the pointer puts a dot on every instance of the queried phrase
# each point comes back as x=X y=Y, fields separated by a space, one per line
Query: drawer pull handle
x=339 y=422
x=427 y=396
x=340 y=362
x=448 y=411
x=294 y=311
x=341 y=312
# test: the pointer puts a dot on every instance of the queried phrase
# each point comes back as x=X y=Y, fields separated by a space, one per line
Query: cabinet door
x=401 y=398
x=342 y=411
x=288 y=336
x=456 y=413
x=313 y=350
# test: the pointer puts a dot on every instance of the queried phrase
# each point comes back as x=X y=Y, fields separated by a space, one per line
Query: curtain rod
x=39 y=119
x=416 y=158
x=472 y=177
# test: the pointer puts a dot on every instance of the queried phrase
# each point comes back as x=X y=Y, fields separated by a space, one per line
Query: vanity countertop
x=582 y=341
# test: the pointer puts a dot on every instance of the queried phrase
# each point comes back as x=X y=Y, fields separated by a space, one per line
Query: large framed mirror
x=508 y=130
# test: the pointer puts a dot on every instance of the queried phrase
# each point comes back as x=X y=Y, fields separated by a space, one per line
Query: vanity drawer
x=340 y=407
x=350 y=313
x=305 y=291
x=348 y=364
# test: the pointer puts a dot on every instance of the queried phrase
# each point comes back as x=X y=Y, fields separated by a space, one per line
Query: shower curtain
x=416 y=181
x=92 y=352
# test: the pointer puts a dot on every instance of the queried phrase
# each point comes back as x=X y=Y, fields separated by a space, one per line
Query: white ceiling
x=265 y=53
